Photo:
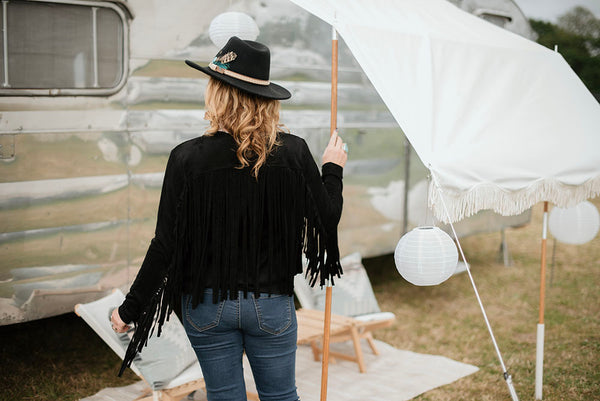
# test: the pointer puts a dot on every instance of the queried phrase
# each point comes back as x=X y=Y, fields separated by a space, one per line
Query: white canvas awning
x=501 y=122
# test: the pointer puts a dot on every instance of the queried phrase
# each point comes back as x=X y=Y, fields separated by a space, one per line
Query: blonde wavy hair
x=253 y=121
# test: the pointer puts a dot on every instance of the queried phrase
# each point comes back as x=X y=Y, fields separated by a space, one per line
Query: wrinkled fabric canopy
x=501 y=122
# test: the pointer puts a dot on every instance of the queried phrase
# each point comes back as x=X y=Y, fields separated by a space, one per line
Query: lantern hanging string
x=428 y=213
x=507 y=376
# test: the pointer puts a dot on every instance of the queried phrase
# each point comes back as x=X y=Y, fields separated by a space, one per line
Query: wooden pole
x=539 y=354
x=326 y=330
x=328 y=289
x=334 y=81
x=539 y=349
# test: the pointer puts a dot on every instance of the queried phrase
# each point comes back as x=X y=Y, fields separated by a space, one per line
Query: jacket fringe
x=164 y=300
x=221 y=241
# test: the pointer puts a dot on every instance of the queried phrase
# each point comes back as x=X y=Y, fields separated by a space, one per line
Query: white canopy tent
x=500 y=121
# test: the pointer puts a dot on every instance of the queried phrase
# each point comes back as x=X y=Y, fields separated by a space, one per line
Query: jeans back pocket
x=274 y=313
x=206 y=315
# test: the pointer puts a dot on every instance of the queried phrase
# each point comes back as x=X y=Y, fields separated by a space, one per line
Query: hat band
x=236 y=75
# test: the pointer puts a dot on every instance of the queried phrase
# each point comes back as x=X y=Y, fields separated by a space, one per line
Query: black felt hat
x=244 y=64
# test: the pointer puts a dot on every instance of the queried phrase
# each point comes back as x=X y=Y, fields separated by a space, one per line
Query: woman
x=239 y=206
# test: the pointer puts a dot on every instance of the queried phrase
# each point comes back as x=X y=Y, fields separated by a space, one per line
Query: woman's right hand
x=335 y=152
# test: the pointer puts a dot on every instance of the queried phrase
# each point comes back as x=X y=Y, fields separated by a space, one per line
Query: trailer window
x=496 y=17
x=68 y=49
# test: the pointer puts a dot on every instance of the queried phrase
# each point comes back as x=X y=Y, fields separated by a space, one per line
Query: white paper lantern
x=232 y=23
x=575 y=225
x=426 y=256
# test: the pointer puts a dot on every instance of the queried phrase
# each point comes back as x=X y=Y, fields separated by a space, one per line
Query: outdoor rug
x=394 y=375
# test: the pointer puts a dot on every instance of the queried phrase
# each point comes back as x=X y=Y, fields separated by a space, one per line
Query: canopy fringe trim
x=491 y=197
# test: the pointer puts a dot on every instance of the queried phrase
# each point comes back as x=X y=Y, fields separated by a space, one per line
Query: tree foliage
x=580 y=21
x=577 y=36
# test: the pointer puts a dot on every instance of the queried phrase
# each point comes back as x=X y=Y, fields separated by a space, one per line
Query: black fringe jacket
x=219 y=227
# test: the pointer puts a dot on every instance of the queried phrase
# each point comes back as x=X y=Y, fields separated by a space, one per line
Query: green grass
x=446 y=319
x=62 y=359
x=59 y=358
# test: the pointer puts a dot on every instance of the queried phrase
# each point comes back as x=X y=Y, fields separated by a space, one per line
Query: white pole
x=539 y=361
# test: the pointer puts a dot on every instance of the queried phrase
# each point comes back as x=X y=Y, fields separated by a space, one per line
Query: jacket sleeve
x=160 y=251
x=324 y=209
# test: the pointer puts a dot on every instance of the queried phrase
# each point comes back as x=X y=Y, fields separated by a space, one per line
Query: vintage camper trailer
x=94 y=95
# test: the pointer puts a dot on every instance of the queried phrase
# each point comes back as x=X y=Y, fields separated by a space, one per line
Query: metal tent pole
x=507 y=376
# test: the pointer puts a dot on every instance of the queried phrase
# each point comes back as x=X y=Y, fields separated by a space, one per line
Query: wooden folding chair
x=355 y=312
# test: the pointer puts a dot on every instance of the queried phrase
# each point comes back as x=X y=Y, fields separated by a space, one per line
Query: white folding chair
x=168 y=364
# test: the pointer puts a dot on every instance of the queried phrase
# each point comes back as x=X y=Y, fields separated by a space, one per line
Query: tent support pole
x=334 y=80
x=326 y=335
x=328 y=289
x=507 y=376
x=539 y=345
x=406 y=184
x=539 y=349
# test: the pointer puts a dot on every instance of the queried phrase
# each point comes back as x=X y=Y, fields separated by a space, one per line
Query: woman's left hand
x=335 y=152
x=118 y=325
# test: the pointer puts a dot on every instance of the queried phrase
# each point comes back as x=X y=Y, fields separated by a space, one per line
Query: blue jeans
x=264 y=327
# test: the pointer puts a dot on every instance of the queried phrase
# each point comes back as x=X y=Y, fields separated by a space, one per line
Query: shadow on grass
x=58 y=358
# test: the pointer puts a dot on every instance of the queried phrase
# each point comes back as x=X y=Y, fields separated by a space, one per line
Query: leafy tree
x=577 y=36
x=580 y=21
